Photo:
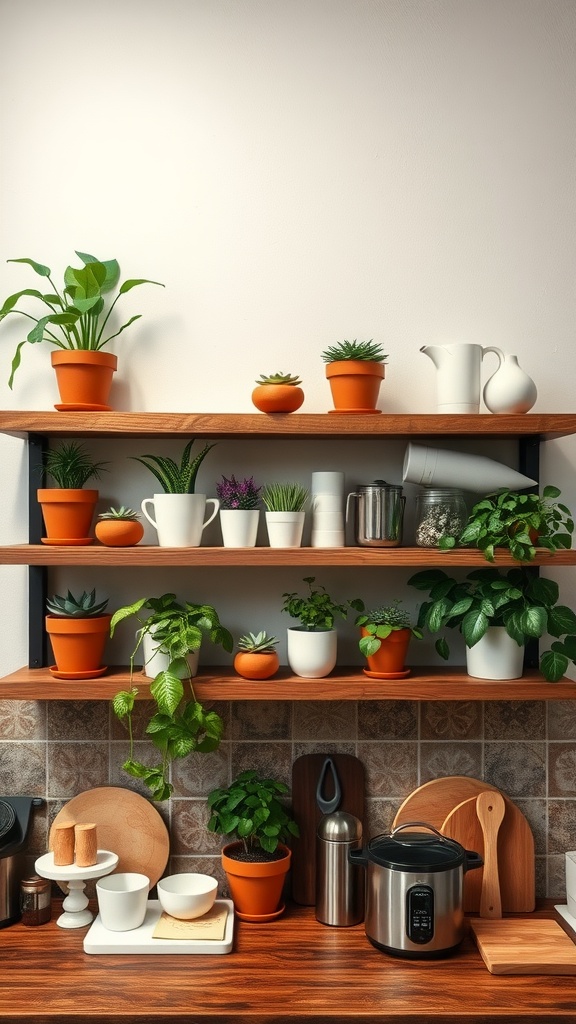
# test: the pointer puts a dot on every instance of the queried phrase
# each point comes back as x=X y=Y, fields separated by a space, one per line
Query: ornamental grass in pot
x=355 y=370
x=68 y=508
x=285 y=505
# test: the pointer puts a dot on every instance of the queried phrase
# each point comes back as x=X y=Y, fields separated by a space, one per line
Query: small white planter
x=179 y=518
x=312 y=654
x=495 y=656
x=285 y=529
x=156 y=660
x=239 y=527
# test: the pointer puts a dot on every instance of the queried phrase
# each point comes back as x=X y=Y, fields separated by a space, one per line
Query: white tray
x=565 y=913
x=100 y=940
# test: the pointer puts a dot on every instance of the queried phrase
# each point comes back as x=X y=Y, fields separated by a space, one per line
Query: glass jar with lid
x=440 y=511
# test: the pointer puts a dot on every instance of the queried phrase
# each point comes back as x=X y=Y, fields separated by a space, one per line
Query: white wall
x=296 y=172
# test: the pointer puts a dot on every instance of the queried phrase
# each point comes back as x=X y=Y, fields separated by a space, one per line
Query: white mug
x=179 y=518
x=122 y=900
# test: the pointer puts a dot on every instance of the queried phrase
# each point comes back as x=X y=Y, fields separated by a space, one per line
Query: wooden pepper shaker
x=63 y=844
x=86 y=845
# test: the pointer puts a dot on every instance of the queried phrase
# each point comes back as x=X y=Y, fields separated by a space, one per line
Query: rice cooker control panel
x=420 y=914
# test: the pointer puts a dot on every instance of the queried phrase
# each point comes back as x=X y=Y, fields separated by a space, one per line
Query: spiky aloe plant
x=279 y=378
x=124 y=513
x=174 y=478
x=257 y=643
x=281 y=497
x=365 y=351
x=70 y=465
x=83 y=607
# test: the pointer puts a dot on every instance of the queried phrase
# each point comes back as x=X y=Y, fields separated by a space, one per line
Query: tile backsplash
x=56 y=749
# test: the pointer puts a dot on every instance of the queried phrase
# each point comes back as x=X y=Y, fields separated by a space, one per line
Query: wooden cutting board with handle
x=433 y=801
x=524 y=947
x=306 y=773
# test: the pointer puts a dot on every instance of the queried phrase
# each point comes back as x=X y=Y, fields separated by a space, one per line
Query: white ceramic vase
x=285 y=529
x=156 y=660
x=509 y=389
x=311 y=653
x=495 y=656
x=239 y=527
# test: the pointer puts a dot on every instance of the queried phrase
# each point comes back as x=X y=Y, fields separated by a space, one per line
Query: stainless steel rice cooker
x=414 y=890
x=15 y=820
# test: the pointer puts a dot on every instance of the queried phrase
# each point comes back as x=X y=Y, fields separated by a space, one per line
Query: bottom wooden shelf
x=219 y=683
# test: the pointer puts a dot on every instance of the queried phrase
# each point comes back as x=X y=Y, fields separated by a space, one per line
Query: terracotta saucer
x=387 y=675
x=363 y=412
x=68 y=541
x=77 y=675
x=261 y=917
x=83 y=407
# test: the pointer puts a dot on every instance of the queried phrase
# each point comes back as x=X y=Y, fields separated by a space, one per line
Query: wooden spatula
x=490 y=808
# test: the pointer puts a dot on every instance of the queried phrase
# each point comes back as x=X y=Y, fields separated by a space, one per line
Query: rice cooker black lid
x=415 y=851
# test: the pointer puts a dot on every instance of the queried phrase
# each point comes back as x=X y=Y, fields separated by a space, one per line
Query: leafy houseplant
x=523 y=604
x=355 y=370
x=316 y=610
x=517 y=521
x=68 y=508
x=119 y=527
x=78 y=628
x=312 y=646
x=278 y=392
x=386 y=633
x=257 y=657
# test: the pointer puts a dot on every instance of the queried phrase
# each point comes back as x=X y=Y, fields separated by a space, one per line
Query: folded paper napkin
x=211 y=926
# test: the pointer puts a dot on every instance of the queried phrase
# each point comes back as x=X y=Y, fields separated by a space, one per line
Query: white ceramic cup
x=179 y=518
x=328 y=482
x=122 y=900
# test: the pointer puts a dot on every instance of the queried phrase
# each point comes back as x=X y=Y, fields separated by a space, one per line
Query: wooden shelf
x=292 y=425
x=349 y=683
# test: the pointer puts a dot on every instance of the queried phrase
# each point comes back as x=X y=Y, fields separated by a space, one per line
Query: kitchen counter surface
x=290 y=971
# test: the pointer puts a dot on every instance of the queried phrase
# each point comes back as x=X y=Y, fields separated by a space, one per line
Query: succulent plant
x=279 y=378
x=379 y=623
x=238 y=494
x=174 y=478
x=120 y=513
x=259 y=643
x=366 y=351
x=83 y=607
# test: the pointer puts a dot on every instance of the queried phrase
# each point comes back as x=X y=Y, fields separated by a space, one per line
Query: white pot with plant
x=239 y=511
x=285 y=505
x=313 y=645
x=179 y=510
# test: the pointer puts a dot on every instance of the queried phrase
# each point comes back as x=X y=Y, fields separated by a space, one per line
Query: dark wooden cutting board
x=306 y=772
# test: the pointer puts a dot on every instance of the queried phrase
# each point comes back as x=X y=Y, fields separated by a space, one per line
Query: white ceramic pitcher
x=458 y=379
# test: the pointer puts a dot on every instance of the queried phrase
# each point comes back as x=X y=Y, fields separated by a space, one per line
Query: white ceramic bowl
x=187 y=895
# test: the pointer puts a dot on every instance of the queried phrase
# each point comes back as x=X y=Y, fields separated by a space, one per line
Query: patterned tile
x=197 y=774
x=439 y=759
x=517 y=768
x=562 y=826
x=535 y=813
x=388 y=720
x=451 y=720
x=324 y=720
x=189 y=835
x=22 y=720
x=23 y=768
x=76 y=720
x=561 y=719
x=323 y=747
x=379 y=816
x=74 y=767
x=556 y=884
x=562 y=769
x=515 y=720
x=391 y=768
x=255 y=720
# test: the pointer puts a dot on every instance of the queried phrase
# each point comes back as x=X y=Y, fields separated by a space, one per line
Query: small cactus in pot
x=119 y=527
x=257 y=657
x=278 y=392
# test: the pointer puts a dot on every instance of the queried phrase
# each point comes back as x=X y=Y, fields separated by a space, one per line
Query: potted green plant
x=278 y=392
x=78 y=629
x=355 y=370
x=178 y=726
x=76 y=323
x=257 y=657
x=385 y=634
x=119 y=527
x=517 y=521
x=179 y=510
x=313 y=645
x=239 y=511
x=498 y=612
x=250 y=812
x=68 y=507
x=285 y=505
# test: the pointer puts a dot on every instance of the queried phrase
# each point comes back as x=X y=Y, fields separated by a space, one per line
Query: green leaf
x=474 y=626
x=13 y=299
x=123 y=702
x=561 y=620
x=39 y=268
x=167 y=691
x=553 y=666
x=134 y=282
x=442 y=648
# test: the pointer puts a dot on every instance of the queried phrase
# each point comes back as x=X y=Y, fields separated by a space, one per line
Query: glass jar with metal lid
x=439 y=511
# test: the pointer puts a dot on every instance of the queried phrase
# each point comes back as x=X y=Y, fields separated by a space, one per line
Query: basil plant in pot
x=178 y=509
x=313 y=645
x=498 y=613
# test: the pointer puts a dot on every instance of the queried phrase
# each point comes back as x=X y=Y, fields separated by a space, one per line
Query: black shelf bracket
x=37 y=574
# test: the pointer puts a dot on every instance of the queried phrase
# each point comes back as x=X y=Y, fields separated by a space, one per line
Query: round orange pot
x=119 y=533
x=277 y=397
x=84 y=377
x=256 y=664
x=78 y=644
x=67 y=514
x=256 y=887
x=355 y=384
x=389 y=661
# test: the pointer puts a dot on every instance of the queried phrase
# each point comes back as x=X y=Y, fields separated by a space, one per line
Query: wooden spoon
x=490 y=808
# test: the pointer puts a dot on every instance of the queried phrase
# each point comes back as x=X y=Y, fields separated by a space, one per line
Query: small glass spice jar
x=439 y=511
x=35 y=893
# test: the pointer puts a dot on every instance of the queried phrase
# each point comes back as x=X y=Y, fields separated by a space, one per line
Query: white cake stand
x=76 y=914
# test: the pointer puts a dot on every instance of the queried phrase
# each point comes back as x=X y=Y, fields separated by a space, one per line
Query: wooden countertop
x=291 y=971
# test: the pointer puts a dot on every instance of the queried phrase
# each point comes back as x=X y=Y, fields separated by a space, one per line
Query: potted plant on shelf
x=313 y=645
x=78 y=629
x=517 y=521
x=239 y=511
x=251 y=813
x=278 y=392
x=257 y=657
x=68 y=508
x=76 y=324
x=178 y=508
x=385 y=636
x=178 y=726
x=285 y=513
x=119 y=527
x=355 y=370
x=497 y=613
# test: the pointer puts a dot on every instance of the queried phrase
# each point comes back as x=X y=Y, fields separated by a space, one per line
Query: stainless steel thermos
x=339 y=883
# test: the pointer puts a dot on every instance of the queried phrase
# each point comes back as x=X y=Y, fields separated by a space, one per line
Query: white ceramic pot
x=285 y=529
x=156 y=660
x=510 y=389
x=312 y=653
x=179 y=518
x=239 y=527
x=495 y=656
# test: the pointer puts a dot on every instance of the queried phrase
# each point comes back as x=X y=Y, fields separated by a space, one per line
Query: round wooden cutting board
x=126 y=824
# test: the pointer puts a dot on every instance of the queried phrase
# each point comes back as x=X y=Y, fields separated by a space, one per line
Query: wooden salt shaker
x=86 y=845
x=63 y=844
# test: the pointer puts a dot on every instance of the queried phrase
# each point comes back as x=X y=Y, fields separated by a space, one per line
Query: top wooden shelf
x=295 y=425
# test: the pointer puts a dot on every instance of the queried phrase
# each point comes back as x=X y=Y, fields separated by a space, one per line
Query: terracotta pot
x=84 y=377
x=68 y=514
x=119 y=533
x=277 y=397
x=389 y=661
x=255 y=887
x=256 y=664
x=78 y=644
x=355 y=384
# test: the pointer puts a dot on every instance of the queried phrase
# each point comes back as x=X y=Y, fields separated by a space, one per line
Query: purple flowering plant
x=235 y=493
